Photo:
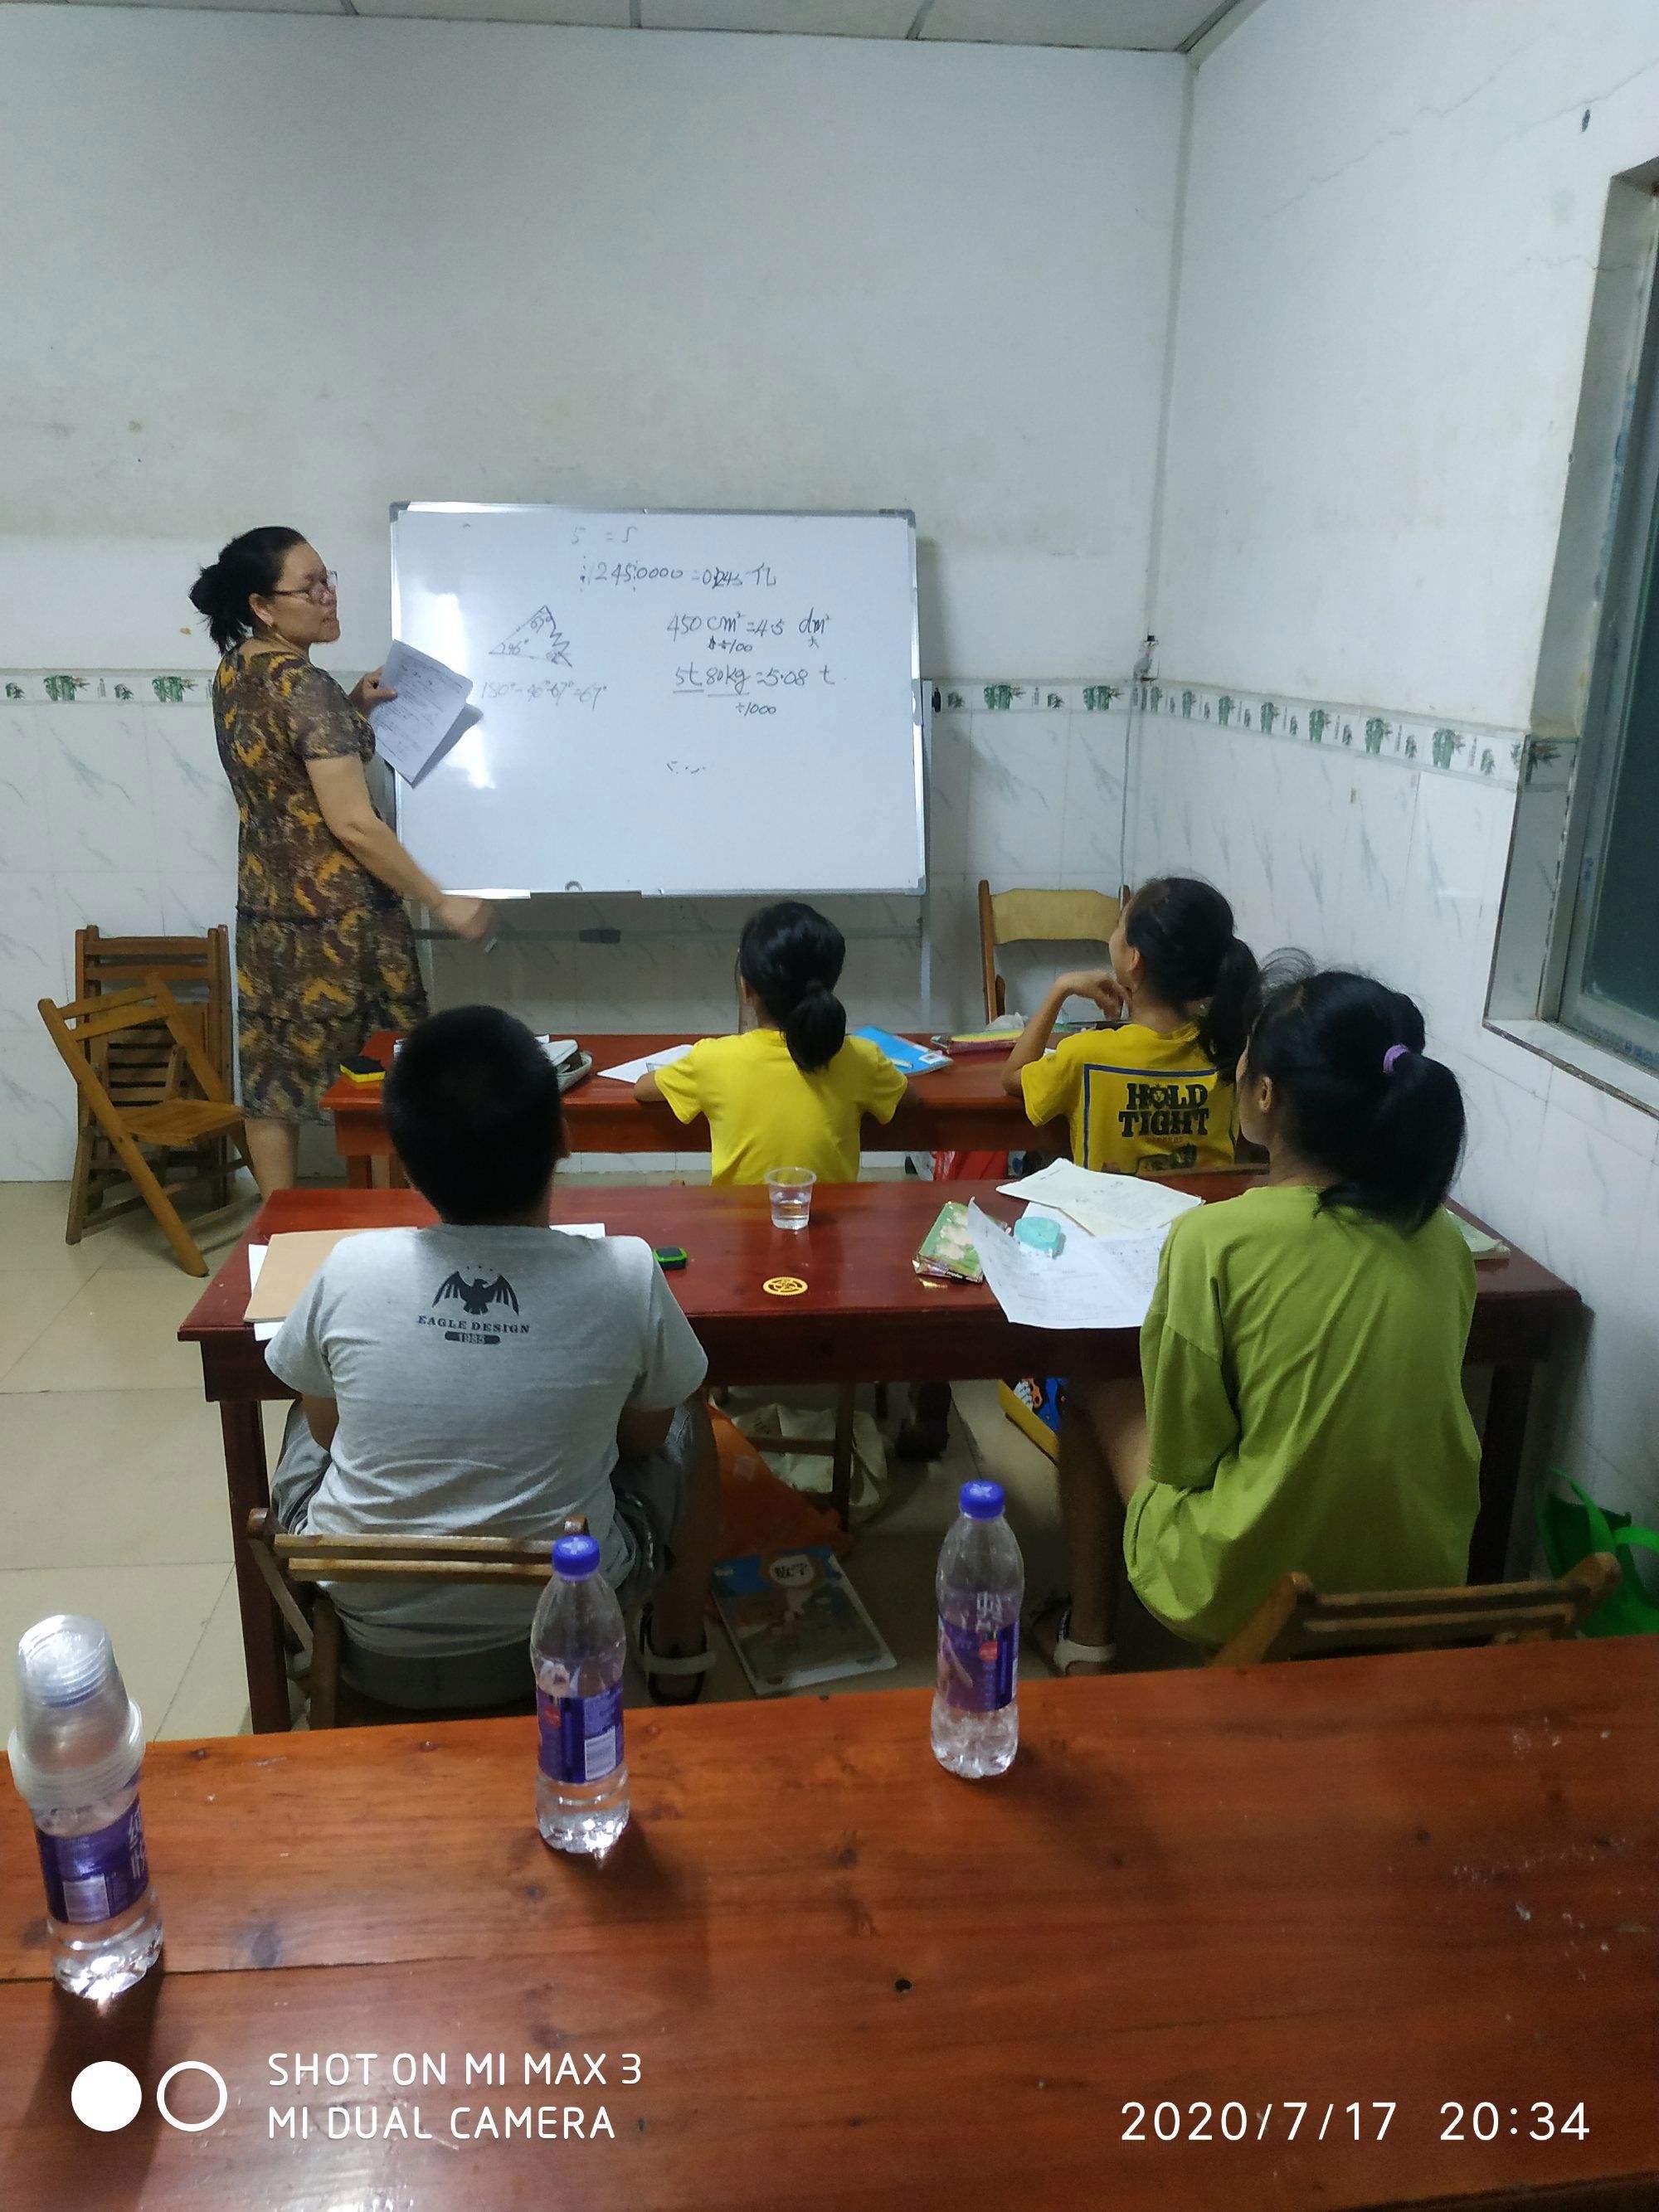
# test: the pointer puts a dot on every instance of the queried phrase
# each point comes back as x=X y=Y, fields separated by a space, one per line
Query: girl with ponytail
x=791 y=1091
x=1154 y=1094
x=1301 y=1402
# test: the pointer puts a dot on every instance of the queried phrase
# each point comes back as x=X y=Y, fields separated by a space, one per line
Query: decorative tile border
x=1477 y=751
x=982 y=695
x=124 y=687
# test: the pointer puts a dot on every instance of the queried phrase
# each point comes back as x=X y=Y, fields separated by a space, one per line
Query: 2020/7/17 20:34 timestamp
x=1288 y=2120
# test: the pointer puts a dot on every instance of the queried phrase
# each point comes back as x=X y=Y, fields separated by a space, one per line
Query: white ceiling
x=1157 y=26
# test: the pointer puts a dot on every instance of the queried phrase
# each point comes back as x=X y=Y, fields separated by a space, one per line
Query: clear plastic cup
x=790 y=1190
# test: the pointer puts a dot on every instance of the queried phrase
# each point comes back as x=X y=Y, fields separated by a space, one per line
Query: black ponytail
x=791 y=956
x=1346 y=1057
x=250 y=563
x=1183 y=931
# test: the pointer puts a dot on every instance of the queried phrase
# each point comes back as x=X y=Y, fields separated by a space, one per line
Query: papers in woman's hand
x=411 y=729
x=1089 y=1284
x=1104 y=1205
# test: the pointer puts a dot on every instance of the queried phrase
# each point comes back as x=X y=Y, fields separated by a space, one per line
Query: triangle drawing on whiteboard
x=539 y=638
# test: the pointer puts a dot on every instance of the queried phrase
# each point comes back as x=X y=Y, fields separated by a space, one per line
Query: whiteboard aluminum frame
x=918 y=747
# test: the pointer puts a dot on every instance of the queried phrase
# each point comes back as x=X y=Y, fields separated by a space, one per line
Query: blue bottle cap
x=574 y=1557
x=981 y=1501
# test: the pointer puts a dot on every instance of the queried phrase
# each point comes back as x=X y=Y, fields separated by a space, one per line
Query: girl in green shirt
x=1301 y=1401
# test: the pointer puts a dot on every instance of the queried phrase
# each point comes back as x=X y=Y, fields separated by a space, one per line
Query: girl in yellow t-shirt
x=1155 y=1094
x=793 y=1090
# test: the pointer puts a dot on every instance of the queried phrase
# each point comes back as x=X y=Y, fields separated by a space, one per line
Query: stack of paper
x=429 y=713
x=1087 y=1285
x=1103 y=1205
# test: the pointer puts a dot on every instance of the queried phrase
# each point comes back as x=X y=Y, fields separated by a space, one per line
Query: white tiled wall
x=111 y=811
x=116 y=811
x=1382 y=865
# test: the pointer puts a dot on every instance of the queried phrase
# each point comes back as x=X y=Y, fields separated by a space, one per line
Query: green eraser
x=1041 y=1234
x=670 y=1256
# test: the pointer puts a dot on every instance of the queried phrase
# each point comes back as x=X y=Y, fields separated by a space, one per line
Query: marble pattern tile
x=22 y=789
x=1595 y=1223
x=1091 y=831
x=1016 y=797
x=37 y=1106
x=1505 y=1128
x=100 y=812
x=122 y=902
x=34 y=955
x=194 y=901
x=192 y=800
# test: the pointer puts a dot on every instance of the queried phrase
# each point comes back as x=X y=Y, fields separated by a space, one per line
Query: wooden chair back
x=172 y=1116
x=196 y=970
x=289 y=1562
x=1293 y=1621
x=134 y=1066
x=1016 y=917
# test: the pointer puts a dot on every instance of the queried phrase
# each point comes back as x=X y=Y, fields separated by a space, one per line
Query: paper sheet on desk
x=1088 y=1284
x=411 y=729
x=631 y=1070
x=1103 y=1205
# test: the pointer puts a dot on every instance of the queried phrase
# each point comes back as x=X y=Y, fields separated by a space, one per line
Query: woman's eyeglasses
x=321 y=588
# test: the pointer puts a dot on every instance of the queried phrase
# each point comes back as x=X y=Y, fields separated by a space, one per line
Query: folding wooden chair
x=288 y=1563
x=1050 y=917
x=1293 y=1621
x=173 y=1120
x=133 y=1068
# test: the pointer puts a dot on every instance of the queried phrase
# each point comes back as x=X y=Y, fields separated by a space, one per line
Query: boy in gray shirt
x=492 y=1376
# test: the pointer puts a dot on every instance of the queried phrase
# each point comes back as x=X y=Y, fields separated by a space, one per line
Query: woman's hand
x=368 y=691
x=1097 y=983
x=473 y=918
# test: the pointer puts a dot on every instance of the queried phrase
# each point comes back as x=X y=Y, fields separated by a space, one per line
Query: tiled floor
x=112 y=1484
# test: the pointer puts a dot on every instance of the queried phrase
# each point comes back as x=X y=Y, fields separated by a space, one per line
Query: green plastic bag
x=1569 y=1532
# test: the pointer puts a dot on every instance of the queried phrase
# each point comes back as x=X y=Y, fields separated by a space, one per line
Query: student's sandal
x=660 y=1671
x=1050 y=1629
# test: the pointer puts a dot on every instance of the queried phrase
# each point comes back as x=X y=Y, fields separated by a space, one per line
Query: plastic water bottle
x=75 y=1755
x=577 y=1647
x=980 y=1582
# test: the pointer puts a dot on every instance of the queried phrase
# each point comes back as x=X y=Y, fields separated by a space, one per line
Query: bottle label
x=581 y=1738
x=976 y=1667
x=98 y=1877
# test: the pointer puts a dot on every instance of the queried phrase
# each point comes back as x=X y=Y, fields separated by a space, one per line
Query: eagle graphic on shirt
x=477 y=1295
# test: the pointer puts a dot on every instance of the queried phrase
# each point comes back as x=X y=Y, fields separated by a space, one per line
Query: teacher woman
x=324 y=952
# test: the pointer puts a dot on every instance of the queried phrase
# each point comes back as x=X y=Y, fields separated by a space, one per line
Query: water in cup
x=791 y=1190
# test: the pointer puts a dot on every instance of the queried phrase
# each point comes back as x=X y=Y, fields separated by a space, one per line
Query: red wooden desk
x=1243 y=1902
x=865 y=1317
x=962 y=1106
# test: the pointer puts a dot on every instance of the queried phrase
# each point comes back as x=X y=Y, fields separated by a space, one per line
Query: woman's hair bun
x=247 y=565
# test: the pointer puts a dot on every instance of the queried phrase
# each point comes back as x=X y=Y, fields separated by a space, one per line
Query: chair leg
x=81 y=1183
x=324 y=1686
x=840 y=1471
x=185 y=1247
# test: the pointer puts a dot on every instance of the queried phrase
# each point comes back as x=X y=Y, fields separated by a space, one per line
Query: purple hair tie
x=1394 y=1054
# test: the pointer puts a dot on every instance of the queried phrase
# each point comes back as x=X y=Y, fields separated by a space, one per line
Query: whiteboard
x=669 y=702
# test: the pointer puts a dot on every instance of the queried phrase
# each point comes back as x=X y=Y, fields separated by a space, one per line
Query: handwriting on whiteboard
x=762 y=577
x=537 y=638
x=557 y=692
